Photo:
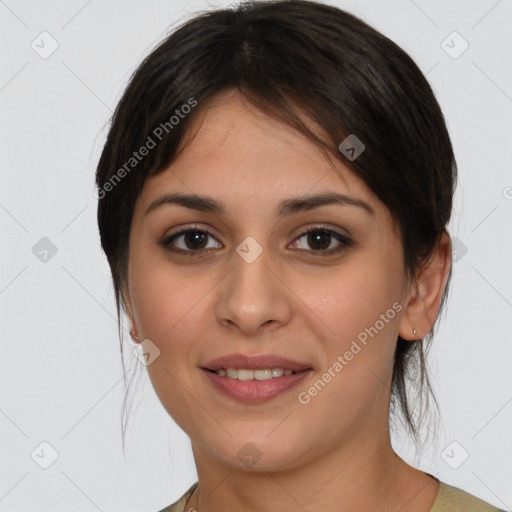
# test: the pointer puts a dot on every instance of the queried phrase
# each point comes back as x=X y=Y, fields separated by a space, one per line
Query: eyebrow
x=285 y=208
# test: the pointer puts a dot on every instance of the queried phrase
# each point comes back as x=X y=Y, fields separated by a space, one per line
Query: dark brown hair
x=290 y=57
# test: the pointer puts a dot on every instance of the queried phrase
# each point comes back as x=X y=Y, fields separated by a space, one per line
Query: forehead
x=239 y=154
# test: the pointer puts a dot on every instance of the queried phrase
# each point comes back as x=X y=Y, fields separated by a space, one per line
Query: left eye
x=320 y=239
x=195 y=241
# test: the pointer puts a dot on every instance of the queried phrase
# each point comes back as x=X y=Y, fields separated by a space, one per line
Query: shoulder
x=453 y=499
x=449 y=499
x=179 y=506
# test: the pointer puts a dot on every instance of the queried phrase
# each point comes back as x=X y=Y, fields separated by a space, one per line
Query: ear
x=128 y=307
x=424 y=299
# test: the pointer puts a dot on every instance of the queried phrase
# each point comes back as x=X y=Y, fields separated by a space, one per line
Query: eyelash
x=343 y=239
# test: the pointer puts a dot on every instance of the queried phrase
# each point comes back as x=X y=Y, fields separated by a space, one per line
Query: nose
x=253 y=296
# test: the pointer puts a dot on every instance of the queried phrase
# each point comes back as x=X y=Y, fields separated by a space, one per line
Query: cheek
x=361 y=309
x=355 y=298
x=169 y=312
x=166 y=302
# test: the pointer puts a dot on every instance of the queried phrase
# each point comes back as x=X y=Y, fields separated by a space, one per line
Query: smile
x=253 y=386
x=246 y=374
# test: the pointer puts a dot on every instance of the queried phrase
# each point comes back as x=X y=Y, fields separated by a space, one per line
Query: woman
x=274 y=195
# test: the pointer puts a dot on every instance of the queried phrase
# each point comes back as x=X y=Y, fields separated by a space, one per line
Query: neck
x=363 y=475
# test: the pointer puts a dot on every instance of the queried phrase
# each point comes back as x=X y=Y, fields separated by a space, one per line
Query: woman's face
x=259 y=286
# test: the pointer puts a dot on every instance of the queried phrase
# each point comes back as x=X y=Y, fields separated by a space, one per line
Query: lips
x=286 y=374
x=254 y=362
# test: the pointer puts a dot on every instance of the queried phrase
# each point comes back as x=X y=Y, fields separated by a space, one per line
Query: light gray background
x=61 y=379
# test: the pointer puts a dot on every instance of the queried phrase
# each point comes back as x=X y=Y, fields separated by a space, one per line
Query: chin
x=259 y=454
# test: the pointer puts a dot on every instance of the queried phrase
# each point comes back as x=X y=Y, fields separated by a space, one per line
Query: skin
x=333 y=453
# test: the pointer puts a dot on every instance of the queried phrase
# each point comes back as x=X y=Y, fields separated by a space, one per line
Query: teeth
x=231 y=373
x=243 y=374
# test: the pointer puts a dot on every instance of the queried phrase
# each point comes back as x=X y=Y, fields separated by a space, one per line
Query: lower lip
x=255 y=391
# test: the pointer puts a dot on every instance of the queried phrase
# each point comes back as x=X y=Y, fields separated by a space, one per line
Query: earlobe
x=134 y=335
x=425 y=299
x=129 y=312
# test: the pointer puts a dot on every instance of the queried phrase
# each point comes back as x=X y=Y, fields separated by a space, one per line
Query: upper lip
x=255 y=362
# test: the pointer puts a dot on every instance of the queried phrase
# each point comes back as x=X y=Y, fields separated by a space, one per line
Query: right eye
x=189 y=241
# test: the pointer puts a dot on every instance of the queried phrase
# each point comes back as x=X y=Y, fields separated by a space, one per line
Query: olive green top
x=449 y=499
